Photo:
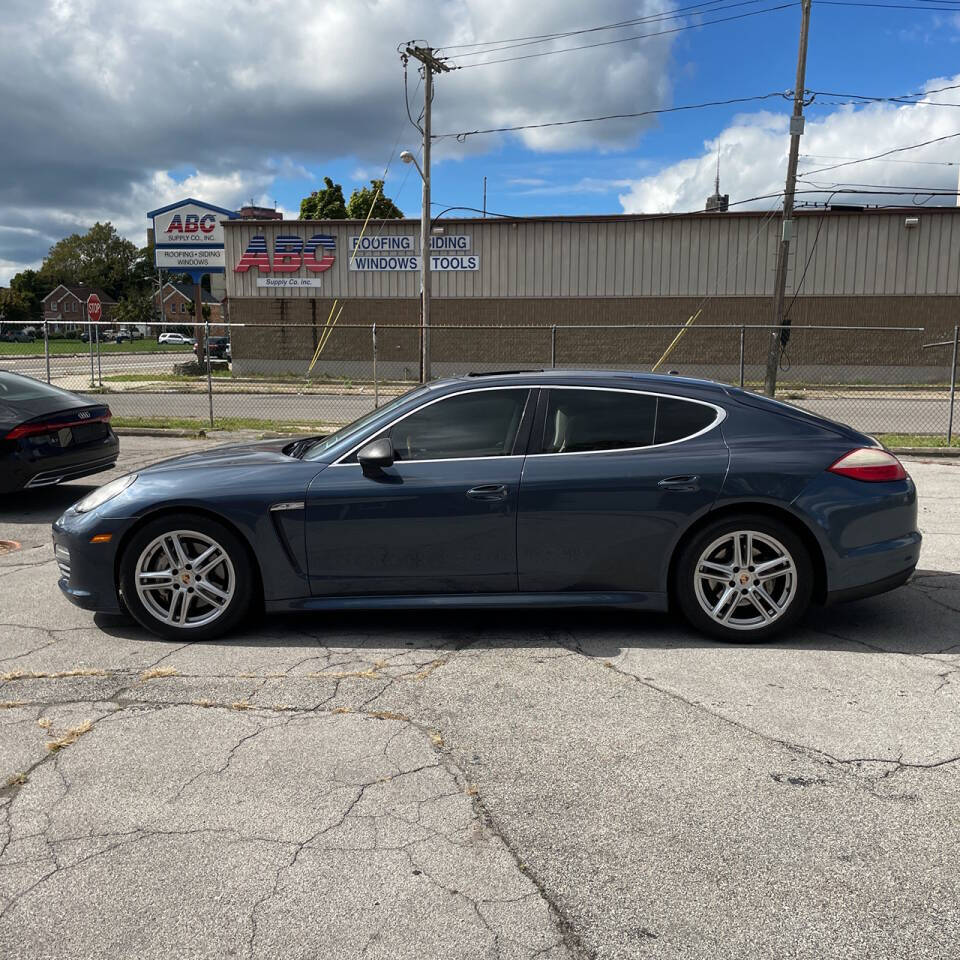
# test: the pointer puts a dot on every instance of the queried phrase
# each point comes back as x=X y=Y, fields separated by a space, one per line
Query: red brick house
x=64 y=308
x=178 y=305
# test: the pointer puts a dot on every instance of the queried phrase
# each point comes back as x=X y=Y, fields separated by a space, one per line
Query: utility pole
x=431 y=65
x=779 y=335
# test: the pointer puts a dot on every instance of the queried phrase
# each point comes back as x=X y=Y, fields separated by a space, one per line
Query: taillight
x=871 y=464
x=34 y=429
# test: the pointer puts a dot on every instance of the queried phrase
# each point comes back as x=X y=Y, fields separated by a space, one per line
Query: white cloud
x=104 y=101
x=753 y=157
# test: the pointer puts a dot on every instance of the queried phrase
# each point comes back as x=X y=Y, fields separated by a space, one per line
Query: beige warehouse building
x=864 y=268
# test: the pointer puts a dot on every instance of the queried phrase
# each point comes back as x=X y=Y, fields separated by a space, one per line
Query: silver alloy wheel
x=185 y=578
x=745 y=580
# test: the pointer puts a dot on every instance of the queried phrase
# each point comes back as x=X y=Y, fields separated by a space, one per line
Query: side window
x=581 y=420
x=483 y=423
x=677 y=419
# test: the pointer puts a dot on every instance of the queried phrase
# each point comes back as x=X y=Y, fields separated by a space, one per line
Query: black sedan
x=547 y=489
x=48 y=435
x=219 y=349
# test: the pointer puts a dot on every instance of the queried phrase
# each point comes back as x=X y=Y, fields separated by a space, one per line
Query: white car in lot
x=175 y=338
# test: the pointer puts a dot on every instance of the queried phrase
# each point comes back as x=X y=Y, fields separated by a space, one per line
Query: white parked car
x=175 y=338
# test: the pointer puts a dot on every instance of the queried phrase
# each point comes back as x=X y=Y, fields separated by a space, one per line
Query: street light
x=407 y=157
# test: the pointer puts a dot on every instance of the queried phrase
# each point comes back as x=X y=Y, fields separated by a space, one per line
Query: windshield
x=317 y=449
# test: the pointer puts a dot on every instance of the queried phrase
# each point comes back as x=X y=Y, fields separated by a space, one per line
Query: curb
x=158 y=432
x=946 y=452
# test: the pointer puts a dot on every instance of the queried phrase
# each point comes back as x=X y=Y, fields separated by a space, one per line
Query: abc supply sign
x=314 y=256
x=188 y=236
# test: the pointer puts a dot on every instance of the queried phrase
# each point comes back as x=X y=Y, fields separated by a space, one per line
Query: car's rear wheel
x=744 y=579
x=186 y=578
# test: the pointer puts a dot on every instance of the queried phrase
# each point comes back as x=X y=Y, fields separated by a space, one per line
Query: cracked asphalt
x=479 y=785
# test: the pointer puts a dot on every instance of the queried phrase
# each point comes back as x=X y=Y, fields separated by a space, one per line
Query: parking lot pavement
x=512 y=785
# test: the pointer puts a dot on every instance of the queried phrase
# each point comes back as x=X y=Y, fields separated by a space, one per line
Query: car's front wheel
x=186 y=578
x=744 y=579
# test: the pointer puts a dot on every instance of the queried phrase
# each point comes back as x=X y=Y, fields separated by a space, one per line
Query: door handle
x=688 y=483
x=488 y=491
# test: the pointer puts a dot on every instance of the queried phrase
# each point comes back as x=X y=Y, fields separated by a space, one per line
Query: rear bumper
x=27 y=469
x=870 y=589
x=867 y=533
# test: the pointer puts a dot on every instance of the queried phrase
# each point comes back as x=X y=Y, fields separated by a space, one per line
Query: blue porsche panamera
x=548 y=489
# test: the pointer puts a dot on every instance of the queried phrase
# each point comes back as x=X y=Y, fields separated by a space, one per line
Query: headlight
x=102 y=494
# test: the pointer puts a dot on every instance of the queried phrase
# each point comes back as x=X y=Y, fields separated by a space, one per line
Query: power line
x=878 y=156
x=856 y=99
x=462 y=135
x=888 y=6
x=640 y=36
x=659 y=17
x=903 y=96
x=926 y=163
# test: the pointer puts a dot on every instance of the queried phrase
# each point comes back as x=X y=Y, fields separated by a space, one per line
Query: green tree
x=99 y=258
x=30 y=286
x=135 y=309
x=325 y=204
x=358 y=207
x=14 y=308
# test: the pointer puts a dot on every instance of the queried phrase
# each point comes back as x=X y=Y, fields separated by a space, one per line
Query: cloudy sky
x=113 y=107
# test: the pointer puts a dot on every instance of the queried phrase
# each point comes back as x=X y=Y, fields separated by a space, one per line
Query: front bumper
x=87 y=570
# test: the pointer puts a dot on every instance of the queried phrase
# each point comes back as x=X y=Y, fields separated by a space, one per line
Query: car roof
x=614 y=378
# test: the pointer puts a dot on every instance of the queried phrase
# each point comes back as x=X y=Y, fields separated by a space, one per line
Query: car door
x=612 y=478
x=442 y=518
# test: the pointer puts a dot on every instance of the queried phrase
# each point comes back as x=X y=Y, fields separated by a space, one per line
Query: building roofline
x=197 y=203
x=615 y=217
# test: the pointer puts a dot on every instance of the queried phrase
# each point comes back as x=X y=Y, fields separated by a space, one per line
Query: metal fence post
x=553 y=346
x=46 y=346
x=376 y=388
x=206 y=347
x=90 y=341
x=99 y=364
x=741 y=355
x=953 y=384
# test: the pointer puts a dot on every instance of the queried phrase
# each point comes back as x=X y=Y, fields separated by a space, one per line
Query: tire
x=198 y=603
x=722 y=596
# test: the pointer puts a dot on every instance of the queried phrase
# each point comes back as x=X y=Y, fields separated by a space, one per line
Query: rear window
x=677 y=419
x=582 y=420
x=14 y=387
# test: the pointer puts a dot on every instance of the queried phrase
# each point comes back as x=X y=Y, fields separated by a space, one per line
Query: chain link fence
x=289 y=377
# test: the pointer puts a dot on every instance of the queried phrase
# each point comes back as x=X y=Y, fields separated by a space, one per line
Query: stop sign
x=94 y=309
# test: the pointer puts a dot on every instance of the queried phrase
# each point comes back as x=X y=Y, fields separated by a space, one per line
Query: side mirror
x=376 y=455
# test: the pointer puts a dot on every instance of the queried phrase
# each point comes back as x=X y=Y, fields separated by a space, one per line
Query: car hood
x=259 y=453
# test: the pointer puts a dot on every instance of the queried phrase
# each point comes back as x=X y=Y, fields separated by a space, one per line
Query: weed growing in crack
x=58 y=675
x=387 y=715
x=430 y=667
x=155 y=672
x=71 y=736
x=369 y=674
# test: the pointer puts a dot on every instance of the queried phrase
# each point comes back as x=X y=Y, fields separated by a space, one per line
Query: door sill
x=638 y=601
